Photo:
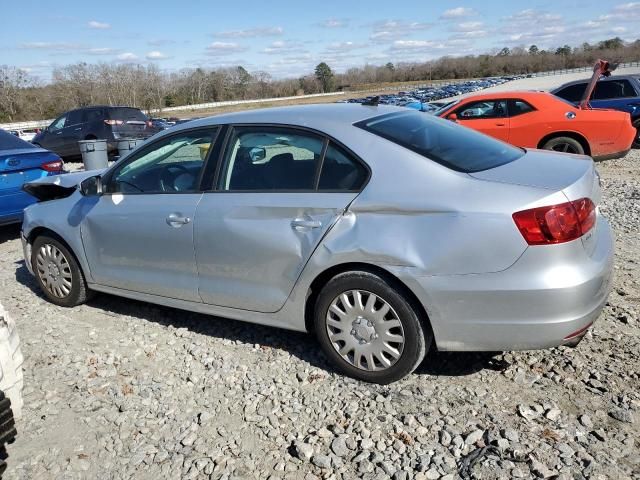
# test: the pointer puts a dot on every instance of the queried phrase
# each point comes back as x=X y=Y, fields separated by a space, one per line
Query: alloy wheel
x=54 y=270
x=365 y=330
x=565 y=148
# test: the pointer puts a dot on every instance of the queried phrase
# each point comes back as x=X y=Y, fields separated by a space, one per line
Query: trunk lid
x=573 y=175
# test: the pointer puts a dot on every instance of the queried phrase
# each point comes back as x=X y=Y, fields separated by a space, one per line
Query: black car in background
x=91 y=123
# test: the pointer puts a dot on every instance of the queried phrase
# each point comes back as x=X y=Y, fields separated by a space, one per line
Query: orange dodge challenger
x=542 y=120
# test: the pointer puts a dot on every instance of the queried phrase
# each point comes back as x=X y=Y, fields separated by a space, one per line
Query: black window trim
x=214 y=186
x=108 y=175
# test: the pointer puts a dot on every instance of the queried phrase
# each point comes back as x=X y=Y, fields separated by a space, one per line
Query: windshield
x=447 y=143
x=445 y=106
x=12 y=142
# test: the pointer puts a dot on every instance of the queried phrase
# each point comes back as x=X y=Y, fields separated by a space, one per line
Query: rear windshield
x=456 y=147
x=126 y=114
x=11 y=142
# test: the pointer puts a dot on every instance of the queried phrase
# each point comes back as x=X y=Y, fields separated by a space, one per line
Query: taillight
x=556 y=223
x=55 y=166
x=114 y=122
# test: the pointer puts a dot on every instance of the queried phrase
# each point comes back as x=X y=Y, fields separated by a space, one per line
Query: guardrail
x=199 y=106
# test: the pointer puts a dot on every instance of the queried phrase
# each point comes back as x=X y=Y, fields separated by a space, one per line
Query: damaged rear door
x=279 y=191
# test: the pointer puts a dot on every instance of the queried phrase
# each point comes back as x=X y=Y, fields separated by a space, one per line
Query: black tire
x=7 y=430
x=636 y=140
x=78 y=292
x=564 y=145
x=417 y=335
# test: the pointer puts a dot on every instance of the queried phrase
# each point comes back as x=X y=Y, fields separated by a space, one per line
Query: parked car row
x=419 y=98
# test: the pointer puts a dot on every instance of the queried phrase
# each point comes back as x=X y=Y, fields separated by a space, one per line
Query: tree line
x=22 y=97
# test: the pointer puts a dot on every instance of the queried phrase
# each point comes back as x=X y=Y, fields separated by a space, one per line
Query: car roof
x=523 y=94
x=326 y=117
x=635 y=77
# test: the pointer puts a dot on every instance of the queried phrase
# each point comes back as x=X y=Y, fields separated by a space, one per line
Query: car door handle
x=500 y=124
x=58 y=133
x=174 y=220
x=305 y=223
x=78 y=129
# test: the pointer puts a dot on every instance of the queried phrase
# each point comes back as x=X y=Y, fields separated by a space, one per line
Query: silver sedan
x=385 y=231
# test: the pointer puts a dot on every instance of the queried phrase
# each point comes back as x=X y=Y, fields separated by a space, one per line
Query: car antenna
x=373 y=102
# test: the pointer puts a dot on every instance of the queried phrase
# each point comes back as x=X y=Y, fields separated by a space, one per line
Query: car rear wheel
x=58 y=273
x=636 y=140
x=369 y=329
x=564 y=145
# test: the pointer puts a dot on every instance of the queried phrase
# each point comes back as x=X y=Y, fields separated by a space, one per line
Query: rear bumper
x=549 y=297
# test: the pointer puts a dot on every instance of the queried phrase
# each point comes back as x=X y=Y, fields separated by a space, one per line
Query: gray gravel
x=123 y=389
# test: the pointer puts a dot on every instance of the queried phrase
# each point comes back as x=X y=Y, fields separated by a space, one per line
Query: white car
x=26 y=135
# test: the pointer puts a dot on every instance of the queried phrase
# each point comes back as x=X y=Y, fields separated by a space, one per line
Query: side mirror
x=453 y=117
x=91 y=187
x=257 y=154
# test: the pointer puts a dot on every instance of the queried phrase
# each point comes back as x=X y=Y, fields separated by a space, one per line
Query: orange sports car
x=542 y=120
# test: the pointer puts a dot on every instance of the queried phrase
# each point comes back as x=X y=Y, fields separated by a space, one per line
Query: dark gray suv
x=90 y=123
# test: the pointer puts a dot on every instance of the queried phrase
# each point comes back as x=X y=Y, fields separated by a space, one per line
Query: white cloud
x=344 y=46
x=334 y=23
x=468 y=27
x=458 y=12
x=413 y=44
x=282 y=48
x=55 y=46
x=98 y=25
x=387 y=30
x=127 y=57
x=156 y=55
x=225 y=48
x=102 y=51
x=251 y=32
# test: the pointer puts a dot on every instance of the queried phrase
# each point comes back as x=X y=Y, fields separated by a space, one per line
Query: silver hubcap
x=365 y=330
x=54 y=270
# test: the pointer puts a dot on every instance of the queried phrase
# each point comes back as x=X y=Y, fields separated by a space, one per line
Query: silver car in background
x=385 y=231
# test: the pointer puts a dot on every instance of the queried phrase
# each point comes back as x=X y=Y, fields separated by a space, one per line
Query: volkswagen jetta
x=385 y=231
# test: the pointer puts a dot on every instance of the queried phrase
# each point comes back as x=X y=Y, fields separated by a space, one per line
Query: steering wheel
x=167 y=179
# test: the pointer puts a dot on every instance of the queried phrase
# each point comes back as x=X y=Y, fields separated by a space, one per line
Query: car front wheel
x=57 y=272
x=369 y=329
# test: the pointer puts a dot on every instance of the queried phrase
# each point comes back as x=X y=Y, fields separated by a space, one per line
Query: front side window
x=447 y=143
x=483 y=109
x=340 y=171
x=58 y=124
x=171 y=165
x=74 y=118
x=264 y=158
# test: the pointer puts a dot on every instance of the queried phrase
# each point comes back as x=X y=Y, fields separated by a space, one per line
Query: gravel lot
x=122 y=389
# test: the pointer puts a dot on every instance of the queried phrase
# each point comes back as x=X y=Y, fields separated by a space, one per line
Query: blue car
x=618 y=92
x=21 y=162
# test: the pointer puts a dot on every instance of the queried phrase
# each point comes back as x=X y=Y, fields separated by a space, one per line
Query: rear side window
x=340 y=171
x=573 y=93
x=92 y=115
x=613 y=89
x=519 y=107
x=126 y=114
x=442 y=141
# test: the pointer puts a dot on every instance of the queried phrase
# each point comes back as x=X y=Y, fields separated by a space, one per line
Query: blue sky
x=288 y=38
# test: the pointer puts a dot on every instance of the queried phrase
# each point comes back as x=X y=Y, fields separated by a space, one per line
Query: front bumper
x=26 y=252
x=549 y=297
